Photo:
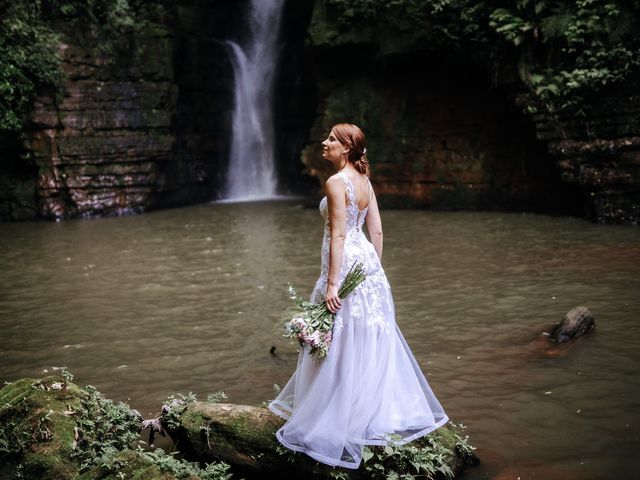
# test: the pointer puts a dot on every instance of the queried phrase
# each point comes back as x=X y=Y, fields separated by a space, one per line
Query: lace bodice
x=355 y=243
x=355 y=216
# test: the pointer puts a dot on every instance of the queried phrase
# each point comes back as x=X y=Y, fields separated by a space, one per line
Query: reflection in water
x=187 y=300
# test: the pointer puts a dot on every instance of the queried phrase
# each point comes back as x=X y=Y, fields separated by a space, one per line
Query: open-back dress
x=369 y=390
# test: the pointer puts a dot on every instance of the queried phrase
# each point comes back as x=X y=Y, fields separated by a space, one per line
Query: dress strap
x=349 y=185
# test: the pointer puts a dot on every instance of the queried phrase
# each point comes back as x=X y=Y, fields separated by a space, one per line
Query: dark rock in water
x=575 y=323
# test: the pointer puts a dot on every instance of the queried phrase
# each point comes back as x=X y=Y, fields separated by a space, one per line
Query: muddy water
x=186 y=300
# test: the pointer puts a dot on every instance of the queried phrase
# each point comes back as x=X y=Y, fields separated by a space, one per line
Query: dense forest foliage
x=565 y=50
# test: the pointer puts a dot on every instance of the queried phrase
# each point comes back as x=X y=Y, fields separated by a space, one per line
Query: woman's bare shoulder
x=335 y=181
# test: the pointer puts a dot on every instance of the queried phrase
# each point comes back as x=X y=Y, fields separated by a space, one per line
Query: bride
x=369 y=390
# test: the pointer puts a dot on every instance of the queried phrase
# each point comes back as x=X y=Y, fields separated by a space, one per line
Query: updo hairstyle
x=353 y=138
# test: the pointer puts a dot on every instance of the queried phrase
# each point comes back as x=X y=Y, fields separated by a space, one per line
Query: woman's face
x=332 y=149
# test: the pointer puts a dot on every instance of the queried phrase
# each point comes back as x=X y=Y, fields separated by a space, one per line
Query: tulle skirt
x=369 y=390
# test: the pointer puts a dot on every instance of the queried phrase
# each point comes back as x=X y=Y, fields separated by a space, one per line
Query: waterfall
x=252 y=173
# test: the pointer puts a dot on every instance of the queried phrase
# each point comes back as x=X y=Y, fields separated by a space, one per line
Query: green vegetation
x=433 y=456
x=29 y=58
x=568 y=50
x=52 y=429
x=565 y=51
x=429 y=457
x=177 y=404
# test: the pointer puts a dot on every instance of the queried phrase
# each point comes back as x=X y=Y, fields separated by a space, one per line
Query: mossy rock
x=37 y=428
x=39 y=419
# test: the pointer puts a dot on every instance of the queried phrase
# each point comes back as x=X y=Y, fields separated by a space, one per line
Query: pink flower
x=314 y=339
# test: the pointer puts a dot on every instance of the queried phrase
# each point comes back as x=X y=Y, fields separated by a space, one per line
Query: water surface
x=186 y=300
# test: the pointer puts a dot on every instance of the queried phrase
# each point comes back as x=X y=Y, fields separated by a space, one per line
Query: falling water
x=251 y=170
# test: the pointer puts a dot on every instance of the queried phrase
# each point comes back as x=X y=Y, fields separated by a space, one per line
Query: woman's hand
x=332 y=300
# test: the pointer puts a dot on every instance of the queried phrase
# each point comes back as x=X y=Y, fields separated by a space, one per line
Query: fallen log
x=244 y=437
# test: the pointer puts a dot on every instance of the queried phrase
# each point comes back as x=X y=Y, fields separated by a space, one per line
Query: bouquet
x=312 y=323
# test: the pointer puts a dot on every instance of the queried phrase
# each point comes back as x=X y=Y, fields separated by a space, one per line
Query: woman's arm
x=374 y=224
x=336 y=204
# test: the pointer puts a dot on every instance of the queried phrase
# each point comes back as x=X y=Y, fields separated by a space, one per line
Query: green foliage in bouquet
x=312 y=323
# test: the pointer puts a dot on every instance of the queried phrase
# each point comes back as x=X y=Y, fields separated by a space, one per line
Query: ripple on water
x=174 y=303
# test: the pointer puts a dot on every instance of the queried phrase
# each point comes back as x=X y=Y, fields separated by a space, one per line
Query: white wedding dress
x=369 y=388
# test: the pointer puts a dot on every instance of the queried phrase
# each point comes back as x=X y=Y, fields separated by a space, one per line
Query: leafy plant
x=569 y=50
x=104 y=428
x=184 y=469
x=28 y=60
x=427 y=457
x=174 y=406
x=216 y=397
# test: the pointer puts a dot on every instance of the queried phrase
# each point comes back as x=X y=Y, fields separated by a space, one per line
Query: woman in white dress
x=369 y=390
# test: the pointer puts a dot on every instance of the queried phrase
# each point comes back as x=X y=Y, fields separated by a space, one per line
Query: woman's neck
x=347 y=168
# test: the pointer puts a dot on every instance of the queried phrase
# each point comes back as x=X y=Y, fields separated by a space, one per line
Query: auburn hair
x=353 y=138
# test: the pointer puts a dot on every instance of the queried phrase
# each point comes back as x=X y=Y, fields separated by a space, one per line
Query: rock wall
x=599 y=154
x=438 y=135
x=439 y=146
x=103 y=148
x=444 y=132
x=142 y=127
x=204 y=76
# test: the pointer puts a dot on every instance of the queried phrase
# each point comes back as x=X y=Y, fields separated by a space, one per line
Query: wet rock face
x=438 y=135
x=101 y=149
x=144 y=127
x=437 y=146
x=441 y=137
x=599 y=153
x=575 y=323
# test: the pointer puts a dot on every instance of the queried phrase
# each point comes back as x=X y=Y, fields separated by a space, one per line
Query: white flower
x=292 y=292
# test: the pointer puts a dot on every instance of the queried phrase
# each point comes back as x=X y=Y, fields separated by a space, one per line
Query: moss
x=262 y=435
x=247 y=434
x=38 y=424
x=39 y=432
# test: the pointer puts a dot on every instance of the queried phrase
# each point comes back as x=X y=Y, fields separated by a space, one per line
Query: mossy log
x=244 y=437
